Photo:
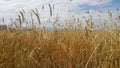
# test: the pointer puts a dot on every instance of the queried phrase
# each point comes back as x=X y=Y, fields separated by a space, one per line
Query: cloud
x=62 y=7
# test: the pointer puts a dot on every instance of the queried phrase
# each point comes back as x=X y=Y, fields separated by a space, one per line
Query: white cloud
x=11 y=7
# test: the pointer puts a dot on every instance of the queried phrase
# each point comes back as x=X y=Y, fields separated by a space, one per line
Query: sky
x=10 y=8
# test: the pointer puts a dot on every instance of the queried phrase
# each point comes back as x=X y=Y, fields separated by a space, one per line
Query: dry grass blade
x=22 y=15
x=20 y=21
x=43 y=7
x=50 y=9
x=91 y=55
x=3 y=20
x=37 y=15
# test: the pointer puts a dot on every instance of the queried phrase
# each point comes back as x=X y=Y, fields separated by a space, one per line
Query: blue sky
x=62 y=7
x=113 y=4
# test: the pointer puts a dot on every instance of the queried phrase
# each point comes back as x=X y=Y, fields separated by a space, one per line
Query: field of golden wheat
x=68 y=47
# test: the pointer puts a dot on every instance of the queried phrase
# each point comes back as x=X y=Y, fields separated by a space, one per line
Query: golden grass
x=61 y=49
x=71 y=46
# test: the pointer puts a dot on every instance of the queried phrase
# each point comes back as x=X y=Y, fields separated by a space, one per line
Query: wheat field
x=67 y=47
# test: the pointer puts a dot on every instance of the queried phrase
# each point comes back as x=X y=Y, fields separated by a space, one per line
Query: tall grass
x=73 y=46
